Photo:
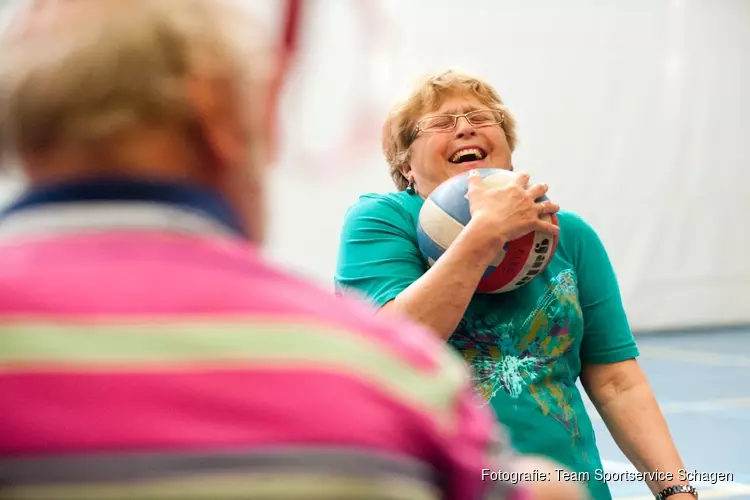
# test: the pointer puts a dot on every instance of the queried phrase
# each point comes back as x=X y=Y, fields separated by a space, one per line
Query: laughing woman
x=529 y=347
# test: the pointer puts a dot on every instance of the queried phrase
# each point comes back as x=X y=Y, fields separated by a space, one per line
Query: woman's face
x=440 y=154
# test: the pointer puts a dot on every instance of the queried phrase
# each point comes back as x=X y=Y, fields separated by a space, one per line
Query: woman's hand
x=507 y=213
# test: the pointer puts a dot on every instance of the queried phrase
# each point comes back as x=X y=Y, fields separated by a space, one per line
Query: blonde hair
x=428 y=95
x=85 y=71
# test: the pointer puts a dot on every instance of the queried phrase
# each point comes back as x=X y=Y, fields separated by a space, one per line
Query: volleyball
x=446 y=212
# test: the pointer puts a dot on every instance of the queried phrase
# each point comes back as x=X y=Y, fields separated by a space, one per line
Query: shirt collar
x=180 y=196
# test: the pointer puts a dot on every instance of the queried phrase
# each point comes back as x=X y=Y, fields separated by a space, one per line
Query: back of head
x=84 y=71
x=78 y=78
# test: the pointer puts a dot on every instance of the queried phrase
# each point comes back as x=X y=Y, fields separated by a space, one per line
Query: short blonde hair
x=103 y=67
x=428 y=95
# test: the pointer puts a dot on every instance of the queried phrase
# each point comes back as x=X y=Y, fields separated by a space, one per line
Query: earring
x=410 y=188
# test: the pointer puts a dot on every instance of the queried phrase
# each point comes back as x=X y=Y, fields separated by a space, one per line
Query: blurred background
x=636 y=113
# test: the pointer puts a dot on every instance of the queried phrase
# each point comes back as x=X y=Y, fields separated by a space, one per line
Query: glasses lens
x=485 y=117
x=440 y=122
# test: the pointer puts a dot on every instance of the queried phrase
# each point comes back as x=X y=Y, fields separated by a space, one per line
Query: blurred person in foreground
x=527 y=347
x=146 y=349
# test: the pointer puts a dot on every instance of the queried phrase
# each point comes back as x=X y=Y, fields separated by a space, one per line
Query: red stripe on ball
x=515 y=258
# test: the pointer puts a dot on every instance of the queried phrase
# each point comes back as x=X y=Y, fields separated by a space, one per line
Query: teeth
x=465 y=152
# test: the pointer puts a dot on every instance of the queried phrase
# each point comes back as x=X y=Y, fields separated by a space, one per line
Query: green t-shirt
x=526 y=347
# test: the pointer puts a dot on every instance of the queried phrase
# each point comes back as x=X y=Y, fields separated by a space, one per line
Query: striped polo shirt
x=147 y=351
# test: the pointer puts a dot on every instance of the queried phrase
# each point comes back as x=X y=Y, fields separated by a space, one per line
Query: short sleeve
x=378 y=256
x=607 y=337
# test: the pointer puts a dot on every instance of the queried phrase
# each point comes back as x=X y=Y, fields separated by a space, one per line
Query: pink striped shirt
x=160 y=357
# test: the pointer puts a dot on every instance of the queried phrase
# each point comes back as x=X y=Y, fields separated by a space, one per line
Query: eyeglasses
x=445 y=123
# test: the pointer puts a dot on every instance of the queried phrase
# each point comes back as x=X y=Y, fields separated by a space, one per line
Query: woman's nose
x=464 y=127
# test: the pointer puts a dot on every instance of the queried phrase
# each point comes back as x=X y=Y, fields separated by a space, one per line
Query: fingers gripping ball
x=446 y=212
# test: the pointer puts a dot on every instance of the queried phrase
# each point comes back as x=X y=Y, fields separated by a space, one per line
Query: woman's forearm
x=438 y=300
x=629 y=408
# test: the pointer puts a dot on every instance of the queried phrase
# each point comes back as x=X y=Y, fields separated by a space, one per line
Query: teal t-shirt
x=526 y=347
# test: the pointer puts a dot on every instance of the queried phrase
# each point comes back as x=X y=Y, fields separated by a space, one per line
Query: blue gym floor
x=702 y=382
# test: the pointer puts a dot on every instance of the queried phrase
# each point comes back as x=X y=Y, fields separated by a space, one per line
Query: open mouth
x=467 y=155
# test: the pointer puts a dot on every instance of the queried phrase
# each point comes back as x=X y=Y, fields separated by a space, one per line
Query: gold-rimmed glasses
x=447 y=122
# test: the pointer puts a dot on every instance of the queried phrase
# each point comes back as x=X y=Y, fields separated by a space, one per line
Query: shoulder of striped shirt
x=346 y=325
x=401 y=358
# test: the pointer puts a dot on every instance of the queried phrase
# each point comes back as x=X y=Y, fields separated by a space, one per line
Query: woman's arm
x=440 y=297
x=627 y=405
x=610 y=373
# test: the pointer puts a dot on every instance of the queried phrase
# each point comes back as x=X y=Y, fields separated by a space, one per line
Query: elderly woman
x=527 y=347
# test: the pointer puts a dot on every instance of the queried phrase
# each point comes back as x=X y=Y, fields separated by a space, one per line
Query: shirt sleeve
x=378 y=256
x=607 y=337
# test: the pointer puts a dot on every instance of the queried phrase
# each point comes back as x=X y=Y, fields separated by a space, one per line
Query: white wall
x=635 y=112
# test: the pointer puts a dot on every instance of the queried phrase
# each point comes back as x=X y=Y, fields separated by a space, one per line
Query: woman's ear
x=405 y=170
